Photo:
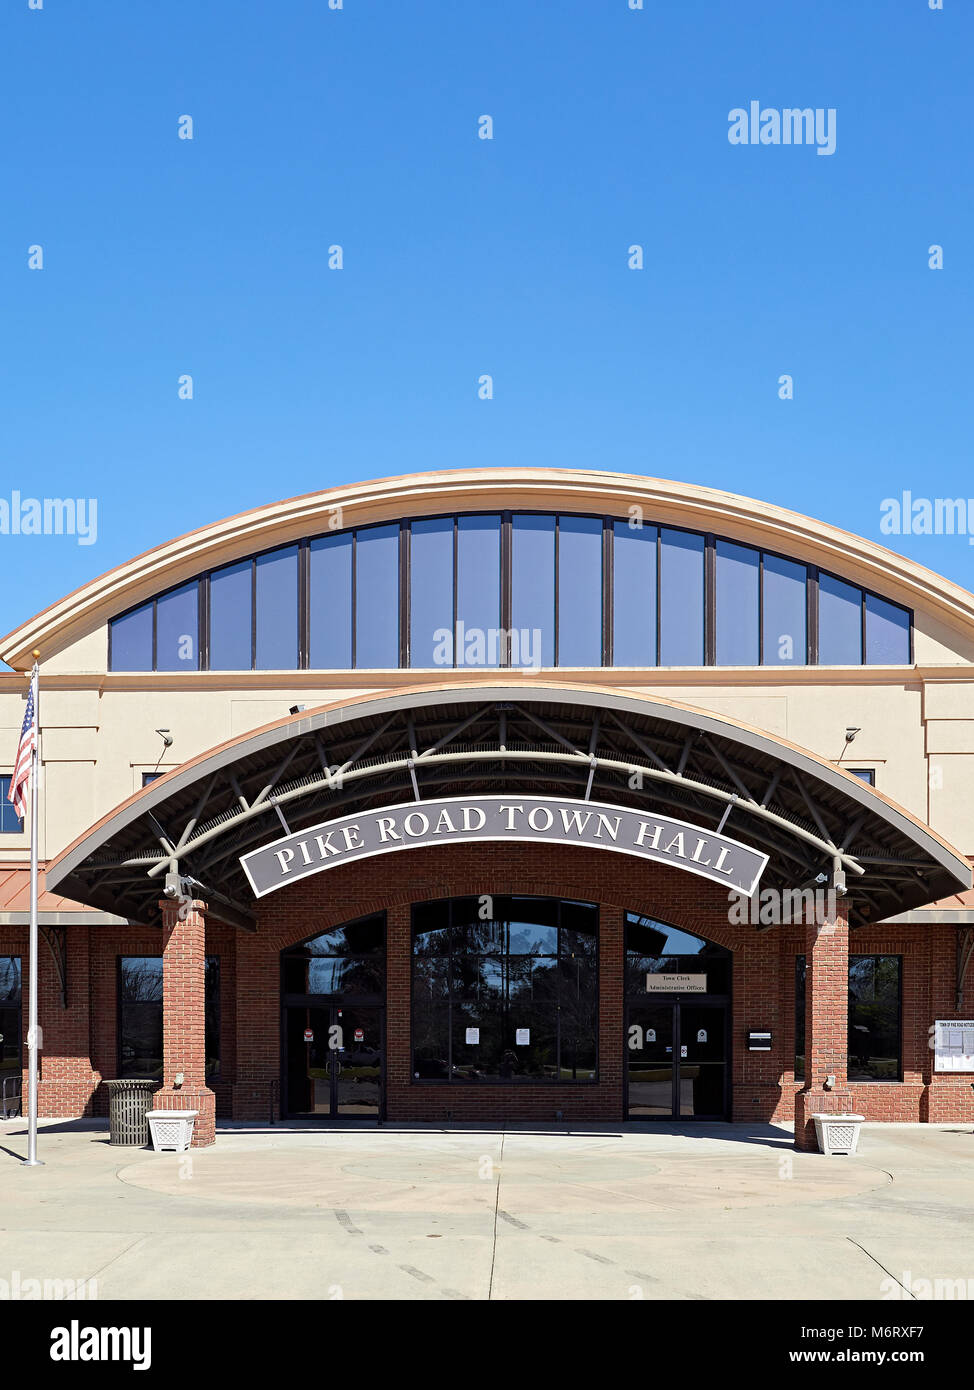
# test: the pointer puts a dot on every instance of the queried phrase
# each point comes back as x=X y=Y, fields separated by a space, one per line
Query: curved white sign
x=522 y=819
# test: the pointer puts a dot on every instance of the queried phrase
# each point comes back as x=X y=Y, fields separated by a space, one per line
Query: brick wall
x=80 y=1043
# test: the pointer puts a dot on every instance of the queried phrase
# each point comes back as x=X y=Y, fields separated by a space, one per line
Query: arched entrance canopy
x=525 y=737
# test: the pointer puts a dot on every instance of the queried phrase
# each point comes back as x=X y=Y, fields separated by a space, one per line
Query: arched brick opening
x=617 y=883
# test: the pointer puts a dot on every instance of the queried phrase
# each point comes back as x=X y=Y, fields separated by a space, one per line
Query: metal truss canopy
x=652 y=755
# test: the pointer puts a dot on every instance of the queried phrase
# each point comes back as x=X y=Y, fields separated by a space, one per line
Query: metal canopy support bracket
x=225 y=909
x=411 y=761
x=727 y=810
x=57 y=942
x=965 y=951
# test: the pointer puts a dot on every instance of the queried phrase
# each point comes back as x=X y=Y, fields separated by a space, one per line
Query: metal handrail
x=11 y=1108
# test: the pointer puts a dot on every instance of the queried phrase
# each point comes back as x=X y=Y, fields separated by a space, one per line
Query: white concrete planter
x=171 y=1129
x=837 y=1134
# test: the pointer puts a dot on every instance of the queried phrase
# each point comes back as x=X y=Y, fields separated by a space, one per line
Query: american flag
x=20 y=781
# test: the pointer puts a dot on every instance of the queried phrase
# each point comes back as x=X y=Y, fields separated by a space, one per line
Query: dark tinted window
x=738 y=575
x=132 y=640
x=478 y=590
x=349 y=959
x=541 y=573
x=431 y=593
x=681 y=598
x=654 y=948
x=533 y=588
x=11 y=1024
x=330 y=603
x=277 y=610
x=887 y=633
x=504 y=990
x=140 y=1016
x=875 y=1018
x=634 y=595
x=177 y=629
x=377 y=596
x=839 y=623
x=10 y=822
x=580 y=591
x=785 y=612
x=231 y=616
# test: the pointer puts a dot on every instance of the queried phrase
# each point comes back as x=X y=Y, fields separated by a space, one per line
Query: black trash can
x=129 y=1102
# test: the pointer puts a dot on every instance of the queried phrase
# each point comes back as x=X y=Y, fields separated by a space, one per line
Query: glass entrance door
x=649 y=1043
x=357 y=1062
x=334 y=1061
x=701 y=1062
x=676 y=1061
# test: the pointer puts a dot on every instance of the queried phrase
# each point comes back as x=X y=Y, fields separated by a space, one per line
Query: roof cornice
x=680 y=504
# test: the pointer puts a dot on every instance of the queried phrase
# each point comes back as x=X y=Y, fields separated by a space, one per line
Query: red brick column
x=183 y=1016
x=826 y=1025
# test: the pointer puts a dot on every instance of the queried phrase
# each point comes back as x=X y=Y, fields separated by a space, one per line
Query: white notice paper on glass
x=473 y=1035
x=522 y=1036
x=954 y=1044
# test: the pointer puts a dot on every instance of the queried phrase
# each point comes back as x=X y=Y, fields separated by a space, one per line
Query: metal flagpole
x=32 y=1161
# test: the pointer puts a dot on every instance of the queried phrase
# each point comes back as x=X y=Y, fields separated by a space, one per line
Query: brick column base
x=809 y=1103
x=201 y=1099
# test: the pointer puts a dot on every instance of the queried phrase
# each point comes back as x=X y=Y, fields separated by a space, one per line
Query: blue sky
x=464 y=256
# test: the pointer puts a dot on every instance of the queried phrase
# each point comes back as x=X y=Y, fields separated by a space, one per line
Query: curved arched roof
x=678 y=504
x=500 y=736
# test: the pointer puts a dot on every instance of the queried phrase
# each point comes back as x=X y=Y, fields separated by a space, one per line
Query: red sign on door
x=359 y=1035
x=309 y=1035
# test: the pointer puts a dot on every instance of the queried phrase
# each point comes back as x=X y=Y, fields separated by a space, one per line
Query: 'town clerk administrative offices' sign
x=522 y=819
x=682 y=984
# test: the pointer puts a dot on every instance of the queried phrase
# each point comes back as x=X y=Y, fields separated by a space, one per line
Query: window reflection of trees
x=9 y=979
x=875 y=1018
x=531 y=966
x=348 y=960
x=11 y=1022
x=140 y=1016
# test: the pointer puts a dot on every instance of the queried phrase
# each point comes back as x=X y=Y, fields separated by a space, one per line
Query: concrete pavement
x=627 y=1212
